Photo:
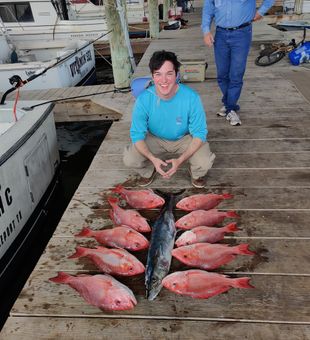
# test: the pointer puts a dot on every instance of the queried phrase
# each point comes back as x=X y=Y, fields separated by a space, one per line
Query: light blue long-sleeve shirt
x=231 y=13
x=169 y=119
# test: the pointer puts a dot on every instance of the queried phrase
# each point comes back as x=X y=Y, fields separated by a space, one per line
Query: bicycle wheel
x=272 y=58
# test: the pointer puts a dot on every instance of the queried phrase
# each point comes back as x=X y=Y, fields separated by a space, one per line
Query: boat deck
x=264 y=163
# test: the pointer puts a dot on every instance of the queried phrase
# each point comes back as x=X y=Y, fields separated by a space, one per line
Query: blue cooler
x=140 y=84
x=300 y=54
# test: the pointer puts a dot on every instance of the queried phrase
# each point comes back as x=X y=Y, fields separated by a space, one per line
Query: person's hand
x=257 y=16
x=175 y=163
x=208 y=39
x=159 y=164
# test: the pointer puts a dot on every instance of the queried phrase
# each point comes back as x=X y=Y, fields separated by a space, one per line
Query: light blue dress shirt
x=231 y=13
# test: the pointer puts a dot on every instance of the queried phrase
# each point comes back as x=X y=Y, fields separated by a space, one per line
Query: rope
x=15 y=104
x=116 y=90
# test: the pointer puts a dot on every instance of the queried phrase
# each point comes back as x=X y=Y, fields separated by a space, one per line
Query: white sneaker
x=233 y=118
x=222 y=112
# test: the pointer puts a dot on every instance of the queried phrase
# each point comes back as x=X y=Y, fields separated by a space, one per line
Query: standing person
x=168 y=117
x=232 y=42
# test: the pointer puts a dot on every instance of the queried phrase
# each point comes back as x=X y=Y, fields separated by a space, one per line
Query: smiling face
x=165 y=80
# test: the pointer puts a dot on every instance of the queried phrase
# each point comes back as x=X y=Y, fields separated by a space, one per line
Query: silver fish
x=159 y=254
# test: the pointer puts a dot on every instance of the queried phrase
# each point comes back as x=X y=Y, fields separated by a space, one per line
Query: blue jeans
x=231 y=49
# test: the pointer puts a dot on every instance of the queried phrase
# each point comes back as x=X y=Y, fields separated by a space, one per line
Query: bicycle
x=272 y=53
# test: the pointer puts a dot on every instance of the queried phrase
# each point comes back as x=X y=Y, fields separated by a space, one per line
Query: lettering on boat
x=6 y=200
x=76 y=66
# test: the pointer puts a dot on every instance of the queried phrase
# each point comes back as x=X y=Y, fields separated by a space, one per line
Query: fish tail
x=79 y=252
x=243 y=249
x=62 y=277
x=242 y=282
x=112 y=200
x=232 y=214
x=111 y=214
x=227 y=196
x=231 y=227
x=118 y=189
x=85 y=232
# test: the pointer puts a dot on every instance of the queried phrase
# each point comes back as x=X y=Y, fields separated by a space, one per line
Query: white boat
x=69 y=63
x=50 y=20
x=29 y=163
x=92 y=9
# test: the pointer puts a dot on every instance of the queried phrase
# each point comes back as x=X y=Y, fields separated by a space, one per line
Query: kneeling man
x=168 y=117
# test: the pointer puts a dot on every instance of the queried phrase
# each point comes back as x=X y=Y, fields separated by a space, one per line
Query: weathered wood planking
x=255 y=128
x=216 y=178
x=275 y=298
x=116 y=328
x=232 y=146
x=222 y=161
x=256 y=224
x=272 y=256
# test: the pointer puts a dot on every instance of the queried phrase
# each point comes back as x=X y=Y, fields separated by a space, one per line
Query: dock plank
x=231 y=146
x=257 y=223
x=116 y=328
x=273 y=298
x=289 y=256
x=216 y=178
x=224 y=161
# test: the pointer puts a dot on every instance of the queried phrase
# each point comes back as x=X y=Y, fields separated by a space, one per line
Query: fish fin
x=243 y=249
x=85 y=232
x=113 y=200
x=241 y=282
x=231 y=227
x=232 y=214
x=118 y=189
x=112 y=216
x=227 y=196
x=62 y=277
x=79 y=252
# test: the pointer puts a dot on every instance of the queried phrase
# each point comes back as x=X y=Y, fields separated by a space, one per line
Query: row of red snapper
x=195 y=247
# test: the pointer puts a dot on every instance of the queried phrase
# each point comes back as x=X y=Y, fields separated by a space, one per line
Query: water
x=78 y=144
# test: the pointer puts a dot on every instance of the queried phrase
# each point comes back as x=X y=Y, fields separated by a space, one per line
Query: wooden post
x=121 y=65
x=298 y=6
x=153 y=18
x=166 y=8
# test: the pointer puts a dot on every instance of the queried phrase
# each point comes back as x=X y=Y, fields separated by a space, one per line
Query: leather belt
x=235 y=28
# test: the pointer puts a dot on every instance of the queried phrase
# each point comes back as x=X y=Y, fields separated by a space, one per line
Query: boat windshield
x=16 y=12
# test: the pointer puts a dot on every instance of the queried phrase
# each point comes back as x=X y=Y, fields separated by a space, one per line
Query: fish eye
x=185 y=256
x=137 y=244
x=174 y=284
x=130 y=268
x=117 y=302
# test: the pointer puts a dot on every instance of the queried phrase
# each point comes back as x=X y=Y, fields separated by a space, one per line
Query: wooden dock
x=265 y=164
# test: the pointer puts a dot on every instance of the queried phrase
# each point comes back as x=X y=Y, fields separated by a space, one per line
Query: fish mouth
x=152 y=293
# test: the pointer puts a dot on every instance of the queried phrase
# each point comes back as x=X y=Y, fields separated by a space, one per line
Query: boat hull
x=29 y=163
x=75 y=68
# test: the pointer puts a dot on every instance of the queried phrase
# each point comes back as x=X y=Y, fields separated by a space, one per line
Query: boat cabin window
x=20 y=12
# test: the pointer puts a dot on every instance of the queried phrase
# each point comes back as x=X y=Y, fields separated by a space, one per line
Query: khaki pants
x=200 y=162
